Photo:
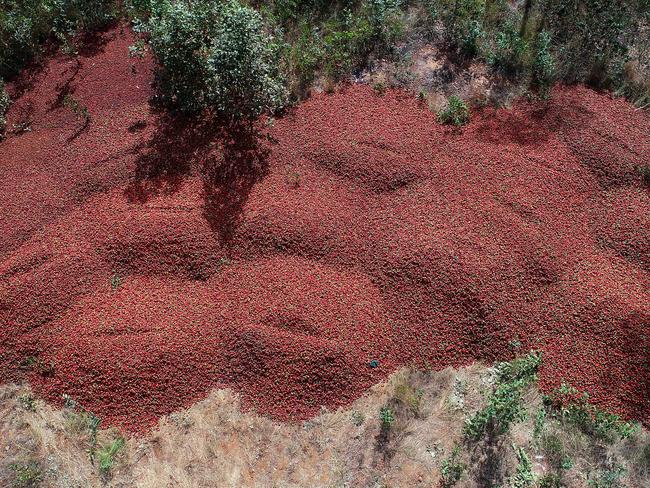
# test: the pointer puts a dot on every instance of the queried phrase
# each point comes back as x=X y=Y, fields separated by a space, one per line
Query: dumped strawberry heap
x=146 y=260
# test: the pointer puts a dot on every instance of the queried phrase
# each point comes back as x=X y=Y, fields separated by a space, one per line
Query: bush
x=524 y=476
x=592 y=36
x=543 y=66
x=456 y=112
x=509 y=52
x=107 y=453
x=25 y=24
x=452 y=469
x=505 y=404
x=386 y=417
x=574 y=407
x=4 y=106
x=463 y=21
x=216 y=56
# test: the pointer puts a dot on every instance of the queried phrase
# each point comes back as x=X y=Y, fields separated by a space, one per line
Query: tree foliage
x=215 y=55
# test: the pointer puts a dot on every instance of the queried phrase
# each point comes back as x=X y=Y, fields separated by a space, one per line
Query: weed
x=36 y=364
x=4 y=106
x=524 y=476
x=138 y=49
x=456 y=112
x=409 y=396
x=26 y=475
x=28 y=402
x=574 y=407
x=116 y=281
x=540 y=423
x=550 y=480
x=644 y=171
x=386 y=417
x=357 y=418
x=106 y=454
x=380 y=87
x=93 y=429
x=81 y=111
x=553 y=448
x=452 y=469
x=610 y=478
x=505 y=404
x=79 y=420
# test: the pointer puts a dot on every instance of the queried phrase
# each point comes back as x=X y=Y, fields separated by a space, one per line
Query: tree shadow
x=487 y=459
x=229 y=158
x=227 y=182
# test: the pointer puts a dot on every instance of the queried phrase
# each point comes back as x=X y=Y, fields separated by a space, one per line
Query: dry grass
x=215 y=444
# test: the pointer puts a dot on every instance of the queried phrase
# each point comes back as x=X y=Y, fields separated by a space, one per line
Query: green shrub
x=505 y=404
x=386 y=417
x=4 y=106
x=610 y=478
x=456 y=112
x=509 y=51
x=217 y=56
x=26 y=475
x=346 y=44
x=574 y=407
x=107 y=453
x=592 y=37
x=452 y=469
x=463 y=22
x=543 y=65
x=523 y=476
x=25 y=24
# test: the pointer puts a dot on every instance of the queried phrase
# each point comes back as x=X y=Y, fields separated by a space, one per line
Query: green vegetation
x=386 y=417
x=216 y=56
x=574 y=407
x=107 y=453
x=505 y=403
x=26 y=24
x=610 y=478
x=543 y=67
x=523 y=476
x=26 y=475
x=4 y=106
x=456 y=112
x=358 y=418
x=81 y=111
x=240 y=59
x=644 y=171
x=452 y=469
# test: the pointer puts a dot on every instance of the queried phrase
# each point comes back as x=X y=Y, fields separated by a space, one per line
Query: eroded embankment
x=146 y=261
